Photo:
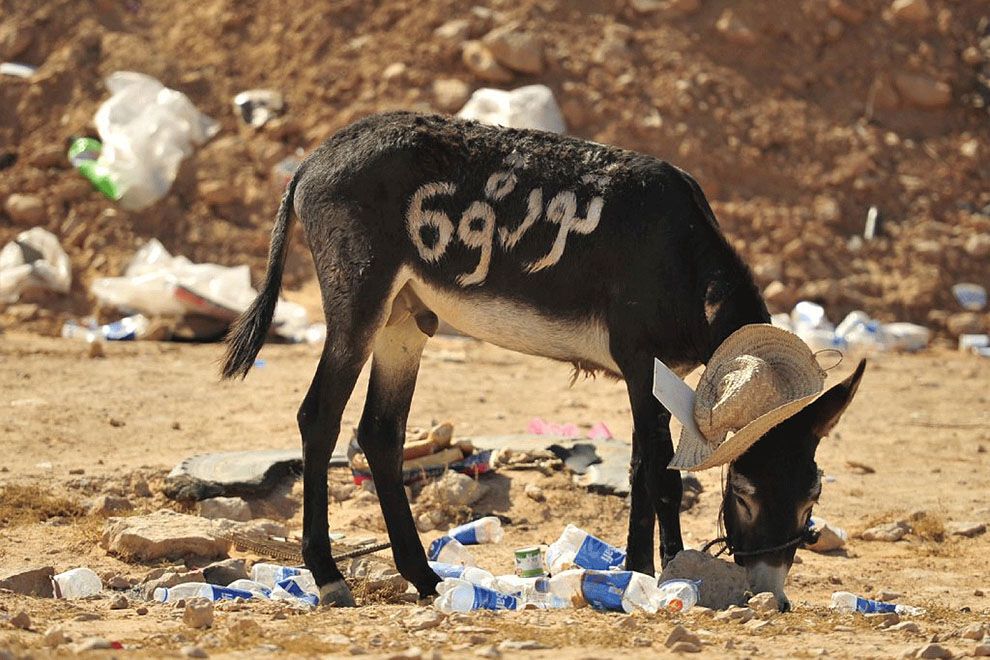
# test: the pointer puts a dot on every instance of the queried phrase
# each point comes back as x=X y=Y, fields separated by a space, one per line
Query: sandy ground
x=76 y=427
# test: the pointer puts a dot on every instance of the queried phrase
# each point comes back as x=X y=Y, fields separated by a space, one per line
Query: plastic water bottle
x=533 y=591
x=448 y=550
x=616 y=591
x=843 y=601
x=678 y=595
x=462 y=596
x=77 y=583
x=188 y=590
x=298 y=589
x=576 y=547
x=256 y=588
x=482 y=530
x=270 y=574
x=472 y=574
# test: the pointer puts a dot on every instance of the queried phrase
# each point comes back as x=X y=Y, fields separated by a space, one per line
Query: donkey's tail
x=248 y=333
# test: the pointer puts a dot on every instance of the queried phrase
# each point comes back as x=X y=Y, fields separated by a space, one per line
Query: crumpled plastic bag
x=156 y=283
x=532 y=106
x=146 y=130
x=35 y=259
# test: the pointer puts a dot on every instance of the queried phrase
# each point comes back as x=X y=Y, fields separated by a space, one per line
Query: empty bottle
x=256 y=588
x=76 y=583
x=843 y=601
x=188 y=590
x=576 y=547
x=462 y=596
x=297 y=589
x=678 y=595
x=448 y=550
x=532 y=591
x=482 y=530
x=616 y=591
x=472 y=574
x=270 y=574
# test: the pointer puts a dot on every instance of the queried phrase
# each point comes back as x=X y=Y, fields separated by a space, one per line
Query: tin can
x=530 y=562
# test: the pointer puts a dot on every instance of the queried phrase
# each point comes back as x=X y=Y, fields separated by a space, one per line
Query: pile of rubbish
x=858 y=334
x=428 y=454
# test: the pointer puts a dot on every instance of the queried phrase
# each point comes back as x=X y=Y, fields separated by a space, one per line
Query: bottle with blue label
x=482 y=530
x=448 y=550
x=843 y=601
x=270 y=574
x=615 y=591
x=578 y=548
x=189 y=590
x=462 y=596
x=472 y=574
x=298 y=590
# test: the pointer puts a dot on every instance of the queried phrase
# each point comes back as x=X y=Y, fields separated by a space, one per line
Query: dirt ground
x=75 y=427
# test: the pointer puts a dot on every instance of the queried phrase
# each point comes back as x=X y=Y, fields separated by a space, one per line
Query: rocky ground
x=87 y=439
x=796 y=117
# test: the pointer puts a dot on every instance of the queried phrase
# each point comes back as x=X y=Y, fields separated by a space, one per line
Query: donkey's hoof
x=336 y=594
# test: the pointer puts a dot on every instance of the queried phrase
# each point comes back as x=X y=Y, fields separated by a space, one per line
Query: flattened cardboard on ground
x=232 y=474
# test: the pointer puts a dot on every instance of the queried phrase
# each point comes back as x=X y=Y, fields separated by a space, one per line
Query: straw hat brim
x=695 y=453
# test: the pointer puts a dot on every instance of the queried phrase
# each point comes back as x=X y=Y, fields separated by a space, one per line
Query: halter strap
x=808 y=537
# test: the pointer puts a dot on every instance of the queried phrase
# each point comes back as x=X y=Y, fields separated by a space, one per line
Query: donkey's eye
x=744 y=504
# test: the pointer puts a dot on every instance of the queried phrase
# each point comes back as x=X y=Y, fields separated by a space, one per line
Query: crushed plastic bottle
x=615 y=591
x=77 y=583
x=472 y=574
x=678 y=595
x=256 y=588
x=448 y=550
x=270 y=574
x=188 y=590
x=843 y=601
x=126 y=329
x=482 y=530
x=298 y=590
x=532 y=591
x=576 y=547
x=462 y=596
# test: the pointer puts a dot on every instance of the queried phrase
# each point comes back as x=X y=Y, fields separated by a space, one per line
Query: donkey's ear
x=825 y=412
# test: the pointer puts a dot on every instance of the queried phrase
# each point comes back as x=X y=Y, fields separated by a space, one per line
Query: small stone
x=978 y=245
x=109 y=505
x=48 y=157
x=95 y=351
x=685 y=647
x=975 y=631
x=734 y=29
x=27 y=210
x=229 y=508
x=923 y=91
x=846 y=12
x=681 y=634
x=33 y=581
x=934 y=651
x=14 y=40
x=411 y=653
x=54 y=637
x=964 y=323
x=453 y=489
x=777 y=294
x=218 y=193
x=764 y=602
x=481 y=63
x=756 y=624
x=198 y=613
x=450 y=94
x=889 y=532
x=488 y=652
x=457 y=29
x=141 y=611
x=515 y=49
x=21 y=620
x=535 y=493
x=424 y=620
x=911 y=11
x=905 y=626
x=982 y=651
x=92 y=644
x=737 y=614
x=193 y=652
x=966 y=529
x=87 y=616
x=888 y=596
x=883 y=619
x=521 y=645
x=119 y=602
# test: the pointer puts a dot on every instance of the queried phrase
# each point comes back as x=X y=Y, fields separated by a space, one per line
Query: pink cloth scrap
x=539 y=426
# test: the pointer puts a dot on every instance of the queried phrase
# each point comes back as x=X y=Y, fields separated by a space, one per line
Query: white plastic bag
x=147 y=129
x=33 y=259
x=532 y=106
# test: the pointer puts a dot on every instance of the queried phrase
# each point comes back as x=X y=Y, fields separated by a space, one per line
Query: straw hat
x=757 y=378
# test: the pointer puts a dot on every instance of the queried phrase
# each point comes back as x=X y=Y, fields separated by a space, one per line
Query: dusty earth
x=75 y=427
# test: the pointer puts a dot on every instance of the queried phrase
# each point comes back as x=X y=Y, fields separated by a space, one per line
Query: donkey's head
x=772 y=488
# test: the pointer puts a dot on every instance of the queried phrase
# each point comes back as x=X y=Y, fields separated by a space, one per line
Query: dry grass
x=930 y=527
x=21 y=505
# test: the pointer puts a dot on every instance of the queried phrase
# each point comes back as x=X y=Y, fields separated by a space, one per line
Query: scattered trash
x=17 y=70
x=76 y=583
x=447 y=550
x=532 y=106
x=539 y=426
x=472 y=574
x=620 y=591
x=483 y=530
x=829 y=538
x=461 y=596
x=576 y=547
x=723 y=583
x=679 y=595
x=858 y=333
x=872 y=228
x=269 y=575
x=972 y=297
x=33 y=260
x=257 y=106
x=84 y=154
x=188 y=590
x=231 y=474
x=126 y=329
x=973 y=343
x=531 y=562
x=146 y=130
x=843 y=601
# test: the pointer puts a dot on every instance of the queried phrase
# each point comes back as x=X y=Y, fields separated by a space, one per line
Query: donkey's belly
x=519 y=327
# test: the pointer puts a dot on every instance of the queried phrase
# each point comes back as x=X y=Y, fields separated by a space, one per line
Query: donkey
x=539 y=243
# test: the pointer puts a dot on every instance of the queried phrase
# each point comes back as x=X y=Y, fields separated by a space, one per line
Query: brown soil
x=919 y=421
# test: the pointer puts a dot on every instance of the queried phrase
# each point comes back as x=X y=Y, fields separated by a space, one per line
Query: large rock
x=723 y=584
x=231 y=508
x=27 y=210
x=32 y=581
x=516 y=49
x=453 y=489
x=226 y=571
x=922 y=91
x=164 y=535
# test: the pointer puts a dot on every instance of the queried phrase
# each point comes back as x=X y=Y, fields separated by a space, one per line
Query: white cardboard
x=675 y=395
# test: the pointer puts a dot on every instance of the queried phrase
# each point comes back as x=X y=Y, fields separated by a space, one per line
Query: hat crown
x=745 y=387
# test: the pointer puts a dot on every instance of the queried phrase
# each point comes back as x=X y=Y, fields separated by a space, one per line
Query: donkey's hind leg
x=381 y=434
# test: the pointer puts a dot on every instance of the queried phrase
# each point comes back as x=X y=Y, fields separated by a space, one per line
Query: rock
x=515 y=49
x=411 y=653
x=978 y=245
x=91 y=644
x=424 y=619
x=737 y=614
x=198 y=613
x=911 y=11
x=488 y=652
x=377 y=574
x=982 y=651
x=160 y=578
x=922 y=91
x=888 y=596
x=49 y=156
x=457 y=29
x=21 y=620
x=763 y=603
x=26 y=210
x=450 y=93
x=521 y=645
x=964 y=323
x=218 y=193
x=95 y=351
x=883 y=619
x=193 y=652
x=934 y=651
x=905 y=626
x=481 y=63
x=119 y=602
x=723 y=583
x=226 y=571
x=14 y=40
x=684 y=7
x=109 y=505
x=164 y=534
x=535 y=493
x=141 y=611
x=777 y=295
x=454 y=489
x=230 y=508
x=846 y=12
x=685 y=647
x=756 y=624
x=681 y=634
x=883 y=94
x=33 y=581
x=734 y=29
x=975 y=631
x=889 y=532
x=54 y=637
x=967 y=529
